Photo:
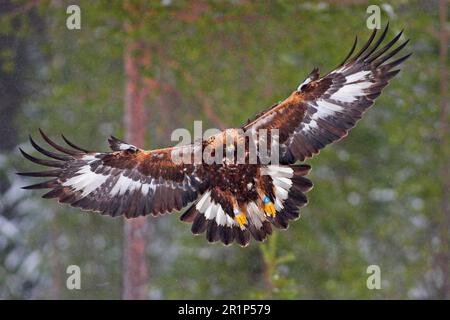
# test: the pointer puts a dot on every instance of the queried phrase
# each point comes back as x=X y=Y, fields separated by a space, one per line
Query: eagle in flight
x=230 y=201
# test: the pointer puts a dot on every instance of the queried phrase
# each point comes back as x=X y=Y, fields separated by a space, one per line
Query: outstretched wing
x=323 y=110
x=128 y=181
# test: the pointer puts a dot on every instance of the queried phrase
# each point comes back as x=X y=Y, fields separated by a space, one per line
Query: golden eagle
x=229 y=201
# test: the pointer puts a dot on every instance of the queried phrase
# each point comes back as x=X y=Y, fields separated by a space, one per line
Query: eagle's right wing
x=128 y=181
x=323 y=109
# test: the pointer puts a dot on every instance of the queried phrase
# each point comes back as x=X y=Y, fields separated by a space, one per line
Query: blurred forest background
x=380 y=198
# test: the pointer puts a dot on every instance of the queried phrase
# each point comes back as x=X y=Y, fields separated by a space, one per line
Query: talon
x=269 y=208
x=240 y=218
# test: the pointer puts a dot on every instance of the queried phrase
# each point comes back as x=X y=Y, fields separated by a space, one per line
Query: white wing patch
x=351 y=92
x=354 y=87
x=357 y=76
x=88 y=181
x=123 y=184
x=85 y=180
x=213 y=211
x=325 y=109
x=221 y=216
x=281 y=193
x=255 y=215
x=204 y=202
x=277 y=171
x=283 y=182
x=281 y=177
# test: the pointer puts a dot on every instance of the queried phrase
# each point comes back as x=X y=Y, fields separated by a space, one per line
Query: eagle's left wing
x=323 y=110
x=128 y=181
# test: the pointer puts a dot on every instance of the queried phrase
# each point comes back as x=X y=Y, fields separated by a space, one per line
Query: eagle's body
x=234 y=189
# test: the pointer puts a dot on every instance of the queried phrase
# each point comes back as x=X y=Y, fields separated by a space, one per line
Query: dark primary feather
x=58 y=147
x=48 y=163
x=350 y=52
x=73 y=145
x=51 y=173
x=48 y=153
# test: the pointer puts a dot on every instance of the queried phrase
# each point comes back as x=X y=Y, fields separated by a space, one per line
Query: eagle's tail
x=281 y=193
x=290 y=195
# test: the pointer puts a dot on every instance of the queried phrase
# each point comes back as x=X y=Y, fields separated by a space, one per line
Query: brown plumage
x=230 y=201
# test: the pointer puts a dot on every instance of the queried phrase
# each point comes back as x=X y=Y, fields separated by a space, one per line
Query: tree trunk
x=135 y=262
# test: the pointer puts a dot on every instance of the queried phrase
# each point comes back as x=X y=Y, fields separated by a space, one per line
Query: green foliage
x=277 y=285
